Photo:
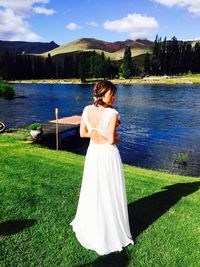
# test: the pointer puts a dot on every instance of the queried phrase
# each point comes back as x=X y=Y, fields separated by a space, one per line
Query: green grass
x=192 y=75
x=39 y=196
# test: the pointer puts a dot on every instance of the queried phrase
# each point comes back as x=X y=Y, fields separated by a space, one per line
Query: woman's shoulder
x=113 y=110
x=86 y=107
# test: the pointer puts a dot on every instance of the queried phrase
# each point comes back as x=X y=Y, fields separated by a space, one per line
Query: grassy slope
x=41 y=187
x=113 y=56
x=85 y=44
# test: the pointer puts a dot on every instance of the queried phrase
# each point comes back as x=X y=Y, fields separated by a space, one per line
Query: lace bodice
x=102 y=126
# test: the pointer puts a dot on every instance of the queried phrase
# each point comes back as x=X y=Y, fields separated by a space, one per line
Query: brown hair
x=99 y=91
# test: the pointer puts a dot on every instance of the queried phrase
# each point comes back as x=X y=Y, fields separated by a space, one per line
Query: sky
x=63 y=21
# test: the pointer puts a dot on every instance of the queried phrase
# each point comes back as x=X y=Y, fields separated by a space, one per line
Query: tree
x=196 y=58
x=82 y=67
x=126 y=66
x=50 y=67
x=155 y=65
x=175 y=55
x=147 y=64
x=163 y=58
x=99 y=66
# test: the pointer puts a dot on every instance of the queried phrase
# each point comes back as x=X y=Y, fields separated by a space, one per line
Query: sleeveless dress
x=101 y=222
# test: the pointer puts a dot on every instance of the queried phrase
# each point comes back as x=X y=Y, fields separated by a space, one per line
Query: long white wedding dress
x=101 y=222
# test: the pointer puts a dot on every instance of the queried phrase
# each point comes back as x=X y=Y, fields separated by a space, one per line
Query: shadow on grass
x=144 y=212
x=15 y=226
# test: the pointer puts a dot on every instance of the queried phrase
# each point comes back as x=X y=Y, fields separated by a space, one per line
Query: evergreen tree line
x=172 y=57
x=74 y=65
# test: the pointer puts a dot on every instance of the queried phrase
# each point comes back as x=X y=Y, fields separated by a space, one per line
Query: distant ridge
x=114 y=50
x=28 y=47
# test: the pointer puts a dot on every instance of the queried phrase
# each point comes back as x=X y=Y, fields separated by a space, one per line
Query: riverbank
x=187 y=79
x=40 y=194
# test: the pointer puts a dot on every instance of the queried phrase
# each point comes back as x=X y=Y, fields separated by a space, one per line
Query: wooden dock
x=64 y=125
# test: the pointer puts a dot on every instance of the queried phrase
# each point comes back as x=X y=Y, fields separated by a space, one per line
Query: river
x=157 y=121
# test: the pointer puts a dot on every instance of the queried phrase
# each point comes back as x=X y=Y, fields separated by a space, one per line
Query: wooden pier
x=64 y=124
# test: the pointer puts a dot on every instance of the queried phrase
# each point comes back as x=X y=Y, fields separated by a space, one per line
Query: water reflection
x=158 y=121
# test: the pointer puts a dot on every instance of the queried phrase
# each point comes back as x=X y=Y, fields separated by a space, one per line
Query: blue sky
x=111 y=20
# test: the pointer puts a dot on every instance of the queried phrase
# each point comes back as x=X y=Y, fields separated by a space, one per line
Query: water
x=157 y=121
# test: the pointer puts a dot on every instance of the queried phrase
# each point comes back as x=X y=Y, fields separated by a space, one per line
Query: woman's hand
x=117 y=138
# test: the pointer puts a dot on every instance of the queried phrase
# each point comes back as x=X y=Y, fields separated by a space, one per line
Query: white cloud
x=14 y=28
x=43 y=10
x=92 y=23
x=21 y=7
x=72 y=26
x=193 y=6
x=13 y=15
x=136 y=25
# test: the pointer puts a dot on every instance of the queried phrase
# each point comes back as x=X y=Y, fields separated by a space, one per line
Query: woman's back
x=97 y=121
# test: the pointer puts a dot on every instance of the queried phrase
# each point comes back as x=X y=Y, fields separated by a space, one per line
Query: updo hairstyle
x=100 y=89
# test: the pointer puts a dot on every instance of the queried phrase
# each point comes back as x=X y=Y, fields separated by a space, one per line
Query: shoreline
x=23 y=135
x=147 y=80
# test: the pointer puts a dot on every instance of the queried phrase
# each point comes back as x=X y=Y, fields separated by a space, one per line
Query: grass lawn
x=39 y=195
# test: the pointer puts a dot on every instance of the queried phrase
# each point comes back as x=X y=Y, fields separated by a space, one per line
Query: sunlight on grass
x=39 y=195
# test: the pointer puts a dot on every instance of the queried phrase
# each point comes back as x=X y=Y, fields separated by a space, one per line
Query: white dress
x=101 y=222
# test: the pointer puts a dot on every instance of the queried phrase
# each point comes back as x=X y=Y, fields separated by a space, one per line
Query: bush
x=181 y=159
x=1 y=85
x=35 y=126
x=6 y=91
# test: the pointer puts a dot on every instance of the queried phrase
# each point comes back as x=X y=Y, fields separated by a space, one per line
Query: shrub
x=181 y=159
x=6 y=91
x=35 y=126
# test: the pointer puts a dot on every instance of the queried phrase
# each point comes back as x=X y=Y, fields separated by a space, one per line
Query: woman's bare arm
x=112 y=136
x=83 y=130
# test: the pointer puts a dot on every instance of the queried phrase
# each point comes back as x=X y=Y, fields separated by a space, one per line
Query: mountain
x=27 y=47
x=114 y=50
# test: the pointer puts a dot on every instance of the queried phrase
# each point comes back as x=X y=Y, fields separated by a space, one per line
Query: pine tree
x=174 y=63
x=163 y=58
x=155 y=65
x=157 y=56
x=92 y=64
x=196 y=58
x=126 y=66
x=103 y=65
x=82 y=67
x=147 y=64
x=50 y=67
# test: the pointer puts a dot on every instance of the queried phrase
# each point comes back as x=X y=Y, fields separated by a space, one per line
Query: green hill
x=114 y=50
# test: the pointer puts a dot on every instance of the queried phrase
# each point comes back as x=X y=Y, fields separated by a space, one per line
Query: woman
x=101 y=221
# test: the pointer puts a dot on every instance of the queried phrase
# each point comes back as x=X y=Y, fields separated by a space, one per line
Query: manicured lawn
x=39 y=196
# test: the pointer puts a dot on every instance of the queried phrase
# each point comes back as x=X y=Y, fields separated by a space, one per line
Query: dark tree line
x=18 y=66
x=93 y=65
x=172 y=57
x=74 y=65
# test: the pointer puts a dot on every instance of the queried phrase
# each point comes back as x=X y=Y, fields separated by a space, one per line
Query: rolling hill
x=114 y=50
